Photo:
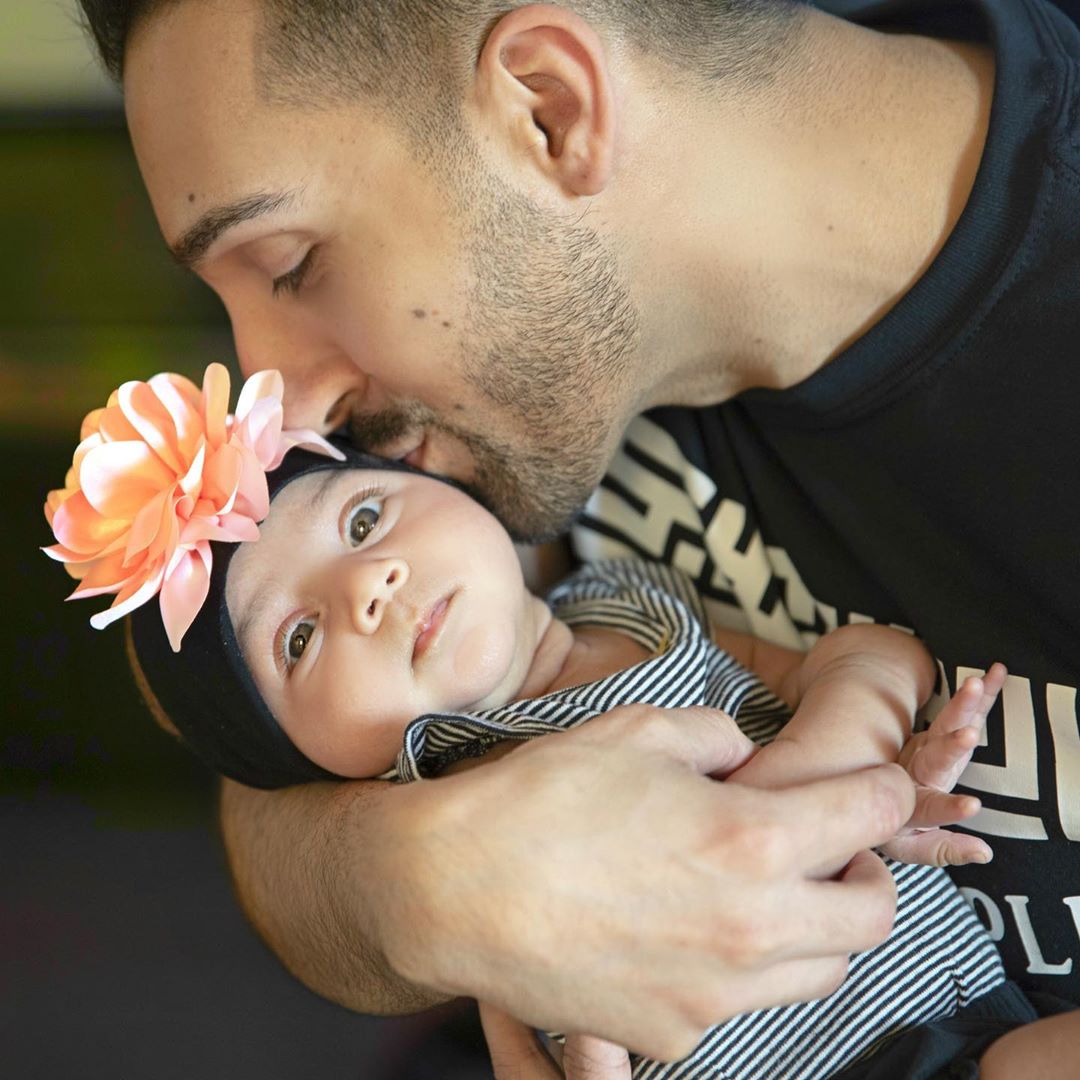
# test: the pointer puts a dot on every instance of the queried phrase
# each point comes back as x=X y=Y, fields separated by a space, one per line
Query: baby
x=377 y=595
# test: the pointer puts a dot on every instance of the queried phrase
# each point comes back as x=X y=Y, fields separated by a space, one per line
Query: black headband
x=207 y=691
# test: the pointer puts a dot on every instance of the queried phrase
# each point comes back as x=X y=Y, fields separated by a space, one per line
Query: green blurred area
x=89 y=297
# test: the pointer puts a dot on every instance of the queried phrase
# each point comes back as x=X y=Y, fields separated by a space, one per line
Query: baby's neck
x=566 y=657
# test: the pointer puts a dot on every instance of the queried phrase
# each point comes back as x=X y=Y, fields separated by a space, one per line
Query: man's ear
x=543 y=83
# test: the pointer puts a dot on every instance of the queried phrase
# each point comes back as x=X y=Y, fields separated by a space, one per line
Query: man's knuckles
x=755 y=851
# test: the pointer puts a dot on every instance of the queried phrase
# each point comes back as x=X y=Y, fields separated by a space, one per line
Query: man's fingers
x=515 y=1052
x=847 y=915
x=832 y=819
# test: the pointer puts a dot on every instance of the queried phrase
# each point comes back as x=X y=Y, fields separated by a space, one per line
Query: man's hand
x=599 y=880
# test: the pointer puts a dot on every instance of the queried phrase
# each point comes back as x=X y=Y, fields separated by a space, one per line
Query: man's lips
x=429 y=626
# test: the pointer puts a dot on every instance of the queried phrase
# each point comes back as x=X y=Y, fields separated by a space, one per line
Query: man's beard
x=550 y=330
x=533 y=493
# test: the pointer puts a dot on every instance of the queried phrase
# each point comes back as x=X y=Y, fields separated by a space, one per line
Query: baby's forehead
x=310 y=488
x=304 y=501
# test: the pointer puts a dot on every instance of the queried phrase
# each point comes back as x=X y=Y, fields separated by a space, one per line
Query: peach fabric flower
x=161 y=471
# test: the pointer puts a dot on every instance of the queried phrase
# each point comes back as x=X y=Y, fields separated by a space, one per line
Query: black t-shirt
x=928 y=477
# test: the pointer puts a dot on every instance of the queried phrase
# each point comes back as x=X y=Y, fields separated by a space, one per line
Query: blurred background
x=122 y=953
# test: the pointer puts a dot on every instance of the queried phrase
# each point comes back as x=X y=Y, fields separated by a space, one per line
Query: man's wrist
x=398 y=879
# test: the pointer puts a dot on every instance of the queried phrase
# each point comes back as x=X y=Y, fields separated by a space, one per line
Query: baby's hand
x=934 y=759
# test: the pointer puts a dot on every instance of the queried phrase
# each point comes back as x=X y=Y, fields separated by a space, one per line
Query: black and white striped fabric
x=938 y=957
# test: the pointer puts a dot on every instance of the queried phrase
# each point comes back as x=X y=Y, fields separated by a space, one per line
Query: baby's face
x=373 y=597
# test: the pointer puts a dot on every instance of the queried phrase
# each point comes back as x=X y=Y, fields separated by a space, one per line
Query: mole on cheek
x=445 y=323
x=419 y=313
x=191 y=196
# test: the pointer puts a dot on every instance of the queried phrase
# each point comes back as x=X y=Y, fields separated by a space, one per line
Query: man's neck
x=766 y=233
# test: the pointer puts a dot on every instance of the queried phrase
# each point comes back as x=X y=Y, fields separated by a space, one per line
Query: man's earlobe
x=543 y=78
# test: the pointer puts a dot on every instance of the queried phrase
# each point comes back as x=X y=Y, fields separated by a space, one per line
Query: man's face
x=453 y=322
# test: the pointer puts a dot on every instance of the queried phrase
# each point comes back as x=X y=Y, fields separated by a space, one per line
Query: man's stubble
x=550 y=334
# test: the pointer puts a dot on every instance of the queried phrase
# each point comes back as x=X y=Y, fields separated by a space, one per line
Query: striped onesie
x=938 y=957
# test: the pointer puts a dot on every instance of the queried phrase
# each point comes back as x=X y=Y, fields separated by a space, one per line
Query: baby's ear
x=159 y=714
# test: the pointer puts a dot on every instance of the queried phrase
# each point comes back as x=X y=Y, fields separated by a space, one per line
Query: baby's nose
x=375 y=584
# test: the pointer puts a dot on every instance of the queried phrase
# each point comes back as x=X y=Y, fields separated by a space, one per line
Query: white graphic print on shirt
x=653 y=504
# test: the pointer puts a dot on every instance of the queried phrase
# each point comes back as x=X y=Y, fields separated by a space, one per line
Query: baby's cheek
x=481 y=660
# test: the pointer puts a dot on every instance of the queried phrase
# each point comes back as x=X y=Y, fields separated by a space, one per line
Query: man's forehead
x=206 y=138
x=189 y=94
x=194 y=43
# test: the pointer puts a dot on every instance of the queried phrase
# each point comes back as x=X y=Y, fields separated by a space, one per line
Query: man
x=487 y=236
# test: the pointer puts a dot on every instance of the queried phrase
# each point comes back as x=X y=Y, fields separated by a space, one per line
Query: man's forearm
x=303 y=863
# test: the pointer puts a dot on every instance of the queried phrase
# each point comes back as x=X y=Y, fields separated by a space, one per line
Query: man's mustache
x=369 y=431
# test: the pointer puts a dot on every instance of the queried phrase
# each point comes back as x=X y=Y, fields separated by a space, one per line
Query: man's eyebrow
x=194 y=243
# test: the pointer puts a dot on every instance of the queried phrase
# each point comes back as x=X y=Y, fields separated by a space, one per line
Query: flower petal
x=147 y=525
x=114 y=426
x=91 y=423
x=119 y=479
x=252 y=494
x=260 y=430
x=183 y=400
x=261 y=385
x=168 y=534
x=221 y=477
x=215 y=405
x=66 y=555
x=80 y=528
x=232 y=528
x=135 y=593
x=192 y=481
x=106 y=575
x=308 y=439
x=145 y=412
x=184 y=591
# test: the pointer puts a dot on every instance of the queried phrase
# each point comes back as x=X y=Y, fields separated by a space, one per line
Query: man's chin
x=529 y=522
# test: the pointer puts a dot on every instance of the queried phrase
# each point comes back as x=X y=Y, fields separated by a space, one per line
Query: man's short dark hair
x=395 y=50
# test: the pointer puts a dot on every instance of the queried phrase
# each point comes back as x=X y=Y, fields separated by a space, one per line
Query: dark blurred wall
x=122 y=953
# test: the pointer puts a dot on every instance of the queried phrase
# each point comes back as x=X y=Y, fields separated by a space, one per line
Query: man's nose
x=321 y=383
x=371 y=586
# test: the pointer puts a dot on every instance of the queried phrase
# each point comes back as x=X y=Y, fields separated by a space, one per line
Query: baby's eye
x=299 y=637
x=362 y=521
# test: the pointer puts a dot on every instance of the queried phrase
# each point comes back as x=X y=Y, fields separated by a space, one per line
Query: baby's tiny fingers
x=938 y=762
x=936 y=808
x=960 y=849
x=586 y=1057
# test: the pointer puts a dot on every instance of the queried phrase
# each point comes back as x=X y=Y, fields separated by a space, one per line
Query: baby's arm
x=854 y=695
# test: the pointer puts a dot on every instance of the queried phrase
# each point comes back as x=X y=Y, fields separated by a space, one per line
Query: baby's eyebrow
x=252 y=617
x=263 y=597
x=319 y=492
